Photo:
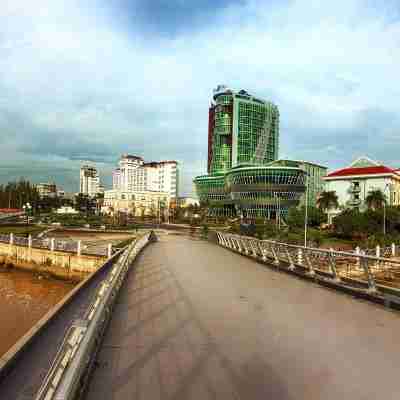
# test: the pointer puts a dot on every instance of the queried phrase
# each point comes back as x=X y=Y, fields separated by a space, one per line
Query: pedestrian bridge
x=194 y=320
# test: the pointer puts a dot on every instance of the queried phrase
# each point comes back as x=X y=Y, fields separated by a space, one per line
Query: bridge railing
x=347 y=267
x=69 y=372
x=70 y=246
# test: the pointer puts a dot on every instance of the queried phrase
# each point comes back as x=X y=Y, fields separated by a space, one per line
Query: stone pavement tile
x=127 y=390
x=182 y=309
x=198 y=340
x=199 y=391
x=219 y=379
x=106 y=367
x=170 y=375
x=149 y=381
x=184 y=353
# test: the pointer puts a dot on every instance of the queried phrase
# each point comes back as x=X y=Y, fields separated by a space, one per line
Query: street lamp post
x=306 y=213
x=384 y=207
x=27 y=207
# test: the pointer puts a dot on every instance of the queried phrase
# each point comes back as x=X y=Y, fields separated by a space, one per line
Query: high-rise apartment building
x=242 y=129
x=89 y=181
x=135 y=175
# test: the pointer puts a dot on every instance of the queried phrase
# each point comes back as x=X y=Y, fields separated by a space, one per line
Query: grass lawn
x=21 y=229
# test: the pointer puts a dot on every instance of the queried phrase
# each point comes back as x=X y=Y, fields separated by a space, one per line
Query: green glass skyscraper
x=244 y=177
x=242 y=129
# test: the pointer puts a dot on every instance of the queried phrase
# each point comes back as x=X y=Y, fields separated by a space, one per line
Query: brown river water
x=24 y=299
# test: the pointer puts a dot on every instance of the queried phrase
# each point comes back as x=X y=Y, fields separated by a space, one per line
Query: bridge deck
x=195 y=321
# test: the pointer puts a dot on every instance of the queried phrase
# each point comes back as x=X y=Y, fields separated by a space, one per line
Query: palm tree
x=375 y=199
x=327 y=200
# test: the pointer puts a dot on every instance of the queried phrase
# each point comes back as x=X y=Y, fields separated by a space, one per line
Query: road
x=196 y=321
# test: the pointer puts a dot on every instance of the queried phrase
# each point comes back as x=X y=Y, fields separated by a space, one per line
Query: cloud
x=85 y=83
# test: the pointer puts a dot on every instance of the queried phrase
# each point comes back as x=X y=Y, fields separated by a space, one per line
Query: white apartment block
x=89 y=181
x=135 y=175
x=353 y=183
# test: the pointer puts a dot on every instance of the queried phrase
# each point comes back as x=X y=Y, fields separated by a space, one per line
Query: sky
x=88 y=81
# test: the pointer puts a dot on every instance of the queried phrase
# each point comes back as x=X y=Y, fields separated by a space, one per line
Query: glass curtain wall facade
x=243 y=143
x=239 y=124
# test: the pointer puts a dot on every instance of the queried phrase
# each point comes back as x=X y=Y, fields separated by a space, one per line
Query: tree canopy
x=327 y=200
x=375 y=199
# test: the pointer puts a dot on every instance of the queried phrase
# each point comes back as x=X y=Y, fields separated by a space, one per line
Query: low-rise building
x=67 y=210
x=353 y=183
x=46 y=189
x=145 y=203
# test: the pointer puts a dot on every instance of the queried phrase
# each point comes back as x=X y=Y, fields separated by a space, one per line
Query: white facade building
x=134 y=175
x=353 y=183
x=135 y=203
x=47 y=189
x=89 y=181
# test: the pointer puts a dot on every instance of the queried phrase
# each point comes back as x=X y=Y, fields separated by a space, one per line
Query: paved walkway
x=195 y=321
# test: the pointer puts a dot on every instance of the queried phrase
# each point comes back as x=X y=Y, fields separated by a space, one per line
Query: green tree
x=327 y=200
x=375 y=199
x=296 y=216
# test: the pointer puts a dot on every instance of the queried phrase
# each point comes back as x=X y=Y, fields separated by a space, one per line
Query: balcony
x=355 y=189
x=354 y=202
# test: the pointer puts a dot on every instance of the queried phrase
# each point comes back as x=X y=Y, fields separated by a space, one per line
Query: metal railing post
x=245 y=246
x=78 y=251
x=370 y=277
x=52 y=244
x=358 y=258
x=311 y=271
x=238 y=246
x=109 y=250
x=274 y=253
x=291 y=263
x=253 y=247
x=332 y=265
